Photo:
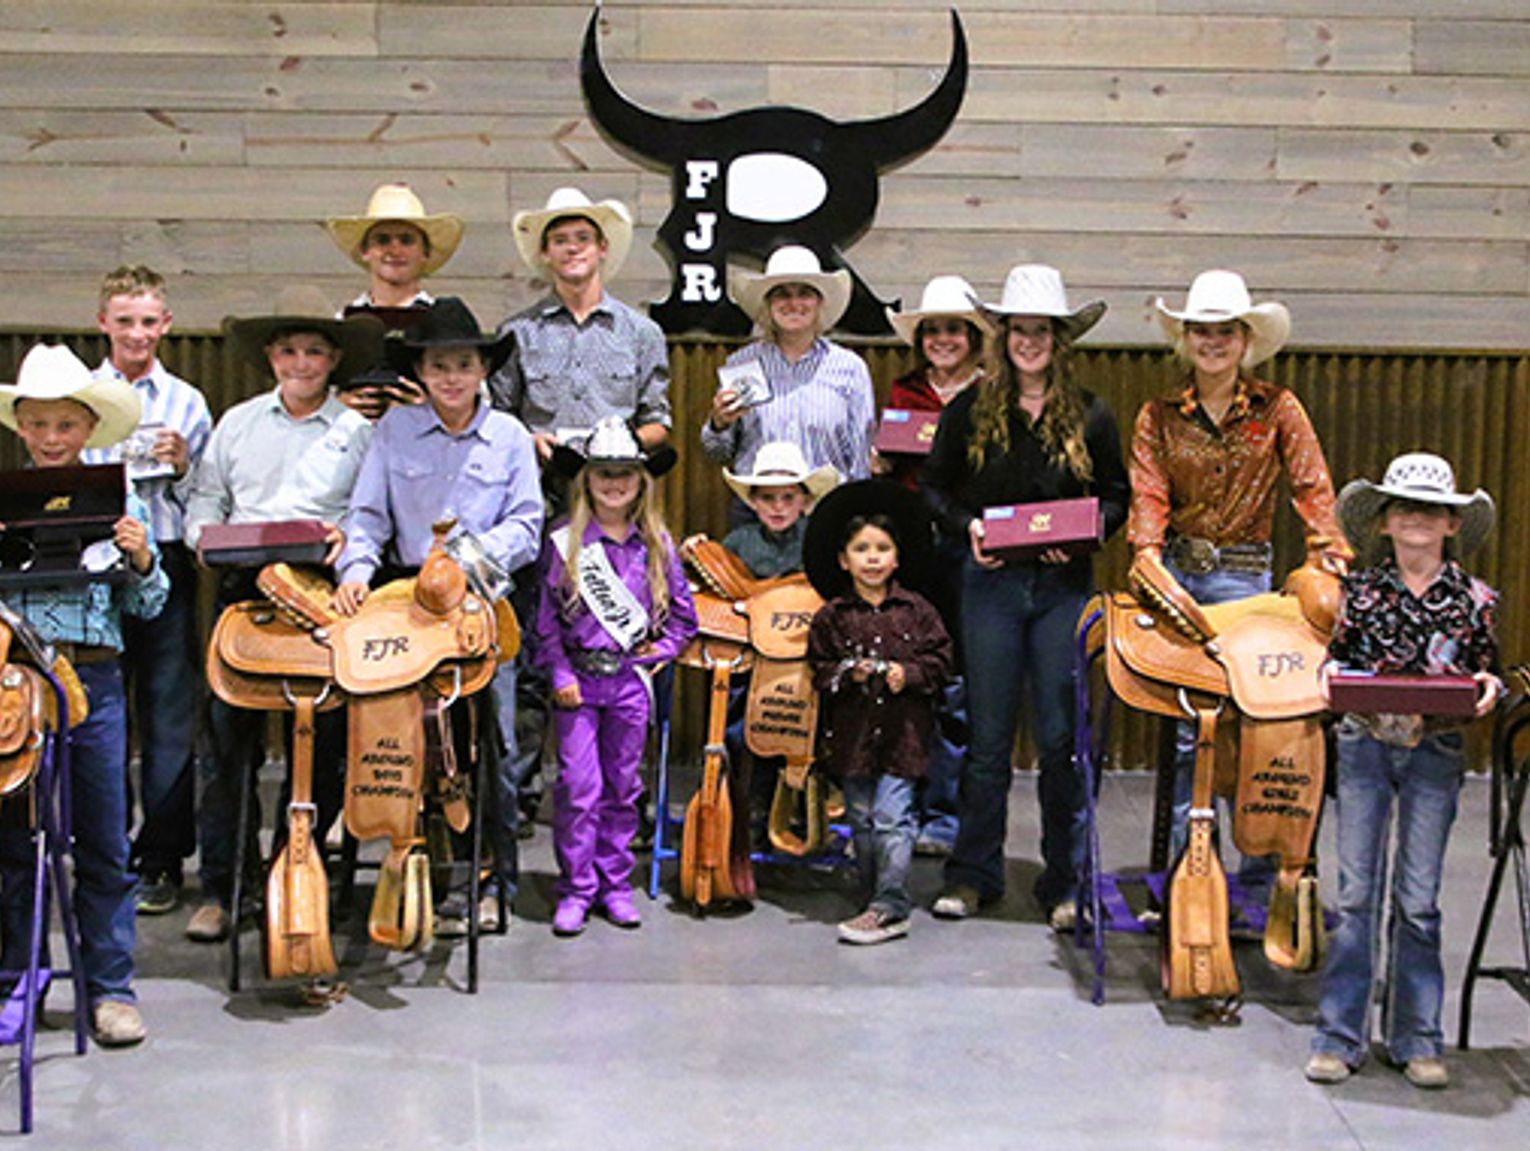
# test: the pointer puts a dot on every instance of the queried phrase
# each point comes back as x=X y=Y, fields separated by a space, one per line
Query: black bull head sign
x=746 y=183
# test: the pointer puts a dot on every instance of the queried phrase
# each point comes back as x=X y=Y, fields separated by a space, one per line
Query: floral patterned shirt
x=1193 y=477
x=1383 y=627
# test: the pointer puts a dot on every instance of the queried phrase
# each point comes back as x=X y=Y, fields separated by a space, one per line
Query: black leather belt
x=1195 y=556
x=598 y=662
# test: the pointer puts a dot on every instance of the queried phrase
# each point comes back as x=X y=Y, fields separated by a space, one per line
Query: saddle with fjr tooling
x=414 y=647
x=1246 y=673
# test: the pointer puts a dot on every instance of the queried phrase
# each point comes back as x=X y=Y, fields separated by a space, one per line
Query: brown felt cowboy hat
x=397 y=203
x=304 y=308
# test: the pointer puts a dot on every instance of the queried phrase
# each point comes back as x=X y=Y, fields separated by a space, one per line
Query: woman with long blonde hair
x=1026 y=433
x=614 y=600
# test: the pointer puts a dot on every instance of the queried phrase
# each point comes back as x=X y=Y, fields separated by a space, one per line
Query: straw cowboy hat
x=943 y=296
x=397 y=203
x=610 y=216
x=1420 y=477
x=791 y=264
x=1218 y=296
x=780 y=463
x=56 y=373
x=611 y=441
x=1037 y=290
x=305 y=308
x=448 y=323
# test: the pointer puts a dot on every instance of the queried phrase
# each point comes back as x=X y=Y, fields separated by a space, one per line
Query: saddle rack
x=1506 y=844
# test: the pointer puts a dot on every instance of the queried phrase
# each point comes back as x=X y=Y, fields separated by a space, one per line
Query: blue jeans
x=1424 y=782
x=880 y=811
x=939 y=796
x=163 y=675
x=1018 y=624
x=1213 y=587
x=103 y=883
x=501 y=810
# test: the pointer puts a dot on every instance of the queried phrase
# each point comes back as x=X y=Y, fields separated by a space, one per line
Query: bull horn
x=656 y=139
x=900 y=137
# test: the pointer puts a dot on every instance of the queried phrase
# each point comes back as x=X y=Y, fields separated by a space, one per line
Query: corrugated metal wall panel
x=1367 y=407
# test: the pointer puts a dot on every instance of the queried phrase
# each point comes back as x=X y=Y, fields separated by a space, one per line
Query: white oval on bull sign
x=773 y=187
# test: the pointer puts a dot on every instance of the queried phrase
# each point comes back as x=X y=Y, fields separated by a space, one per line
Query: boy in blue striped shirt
x=160 y=661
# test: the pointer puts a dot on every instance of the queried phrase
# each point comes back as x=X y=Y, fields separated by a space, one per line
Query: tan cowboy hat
x=610 y=216
x=1037 y=290
x=943 y=296
x=791 y=264
x=1419 y=477
x=1218 y=296
x=781 y=463
x=56 y=373
x=398 y=203
x=305 y=308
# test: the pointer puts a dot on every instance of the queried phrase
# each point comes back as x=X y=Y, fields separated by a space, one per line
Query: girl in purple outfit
x=614 y=605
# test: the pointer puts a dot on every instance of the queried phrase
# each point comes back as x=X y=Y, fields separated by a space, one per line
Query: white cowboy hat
x=1037 y=290
x=780 y=463
x=1420 y=477
x=611 y=441
x=56 y=373
x=610 y=216
x=791 y=264
x=943 y=296
x=397 y=202
x=1218 y=296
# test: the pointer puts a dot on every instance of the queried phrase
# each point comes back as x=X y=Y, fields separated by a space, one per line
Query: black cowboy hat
x=611 y=441
x=449 y=323
x=911 y=521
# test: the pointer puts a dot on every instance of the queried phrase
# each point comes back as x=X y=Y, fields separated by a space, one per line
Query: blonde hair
x=647 y=516
x=1061 y=429
x=134 y=280
x=767 y=319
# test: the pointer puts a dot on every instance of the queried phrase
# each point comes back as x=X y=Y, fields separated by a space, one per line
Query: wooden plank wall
x=1369 y=163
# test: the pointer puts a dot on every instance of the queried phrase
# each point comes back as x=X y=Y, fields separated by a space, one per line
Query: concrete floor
x=758 y=1030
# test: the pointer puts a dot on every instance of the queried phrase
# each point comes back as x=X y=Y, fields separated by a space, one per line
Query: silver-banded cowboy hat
x=1418 y=477
x=791 y=264
x=611 y=441
x=1218 y=296
x=1037 y=290
x=55 y=373
x=944 y=297
x=781 y=463
x=398 y=203
x=610 y=216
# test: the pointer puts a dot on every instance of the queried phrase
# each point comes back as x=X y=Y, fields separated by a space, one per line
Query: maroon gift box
x=276 y=541
x=1024 y=531
x=906 y=433
x=1366 y=693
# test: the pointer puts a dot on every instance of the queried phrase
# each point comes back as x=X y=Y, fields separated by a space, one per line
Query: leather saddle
x=759 y=627
x=29 y=709
x=1246 y=672
x=414 y=647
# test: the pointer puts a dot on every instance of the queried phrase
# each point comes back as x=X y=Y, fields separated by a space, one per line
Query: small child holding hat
x=1412 y=609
